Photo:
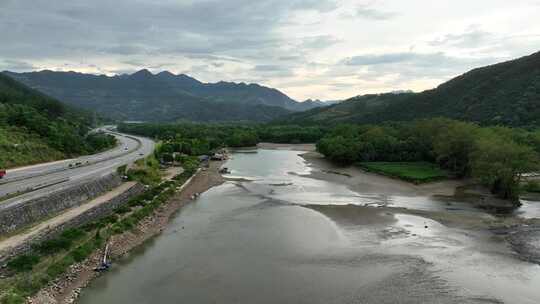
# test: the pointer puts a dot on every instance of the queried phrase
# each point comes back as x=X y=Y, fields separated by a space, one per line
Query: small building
x=219 y=156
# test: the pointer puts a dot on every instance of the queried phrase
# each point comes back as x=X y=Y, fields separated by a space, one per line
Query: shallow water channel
x=275 y=233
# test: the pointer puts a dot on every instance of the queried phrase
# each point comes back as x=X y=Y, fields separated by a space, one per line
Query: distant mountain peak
x=144 y=73
x=187 y=77
x=166 y=74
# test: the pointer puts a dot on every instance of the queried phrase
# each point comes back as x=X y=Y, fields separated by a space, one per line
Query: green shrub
x=13 y=298
x=122 y=209
x=532 y=186
x=60 y=266
x=30 y=283
x=23 y=262
x=117 y=229
x=73 y=234
x=63 y=242
x=82 y=252
x=91 y=226
x=53 y=245
x=138 y=201
x=109 y=219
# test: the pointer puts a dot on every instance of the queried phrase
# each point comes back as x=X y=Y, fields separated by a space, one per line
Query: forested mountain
x=506 y=93
x=163 y=96
x=35 y=127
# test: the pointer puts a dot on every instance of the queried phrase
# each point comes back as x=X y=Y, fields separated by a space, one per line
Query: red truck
x=2 y=173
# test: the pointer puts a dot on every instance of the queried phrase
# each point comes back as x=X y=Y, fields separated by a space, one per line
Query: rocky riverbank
x=67 y=288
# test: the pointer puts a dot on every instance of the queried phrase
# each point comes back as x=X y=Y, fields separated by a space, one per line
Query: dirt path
x=172 y=172
x=19 y=239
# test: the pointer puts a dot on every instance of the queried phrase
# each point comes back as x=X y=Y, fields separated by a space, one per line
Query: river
x=279 y=231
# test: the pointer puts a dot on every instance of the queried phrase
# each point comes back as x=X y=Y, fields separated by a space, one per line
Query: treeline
x=204 y=137
x=25 y=111
x=495 y=155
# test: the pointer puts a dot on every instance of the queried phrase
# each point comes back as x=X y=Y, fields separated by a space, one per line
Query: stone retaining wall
x=38 y=209
x=89 y=215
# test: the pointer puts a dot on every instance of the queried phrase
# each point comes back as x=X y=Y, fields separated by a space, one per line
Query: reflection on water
x=285 y=237
x=528 y=209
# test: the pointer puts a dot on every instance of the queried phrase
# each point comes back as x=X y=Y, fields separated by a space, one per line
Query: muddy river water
x=281 y=230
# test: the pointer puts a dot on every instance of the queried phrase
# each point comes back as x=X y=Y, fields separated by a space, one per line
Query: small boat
x=224 y=170
x=105 y=264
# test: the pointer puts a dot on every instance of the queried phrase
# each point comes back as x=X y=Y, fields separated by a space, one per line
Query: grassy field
x=416 y=172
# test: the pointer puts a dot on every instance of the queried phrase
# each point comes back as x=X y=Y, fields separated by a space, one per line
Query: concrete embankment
x=23 y=214
x=74 y=217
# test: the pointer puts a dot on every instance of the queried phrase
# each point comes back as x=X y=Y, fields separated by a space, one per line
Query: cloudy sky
x=322 y=49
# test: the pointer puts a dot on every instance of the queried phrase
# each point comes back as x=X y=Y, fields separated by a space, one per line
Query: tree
x=499 y=163
x=454 y=145
x=534 y=140
x=422 y=134
x=167 y=157
x=340 y=149
x=377 y=143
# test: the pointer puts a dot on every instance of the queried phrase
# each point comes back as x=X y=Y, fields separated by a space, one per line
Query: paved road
x=42 y=179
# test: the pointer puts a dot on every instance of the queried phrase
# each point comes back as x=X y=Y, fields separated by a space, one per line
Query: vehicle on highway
x=76 y=165
x=2 y=173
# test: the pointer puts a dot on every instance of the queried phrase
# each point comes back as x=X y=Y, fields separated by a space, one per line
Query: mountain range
x=507 y=93
x=143 y=96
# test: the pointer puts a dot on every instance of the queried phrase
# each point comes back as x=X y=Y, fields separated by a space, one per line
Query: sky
x=319 y=49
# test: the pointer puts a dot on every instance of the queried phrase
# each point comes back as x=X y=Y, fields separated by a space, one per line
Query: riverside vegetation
x=28 y=273
x=417 y=151
x=496 y=156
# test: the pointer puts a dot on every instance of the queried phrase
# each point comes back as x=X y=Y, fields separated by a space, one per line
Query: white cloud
x=325 y=49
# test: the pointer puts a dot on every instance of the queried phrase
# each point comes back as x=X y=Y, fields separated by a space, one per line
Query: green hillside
x=506 y=93
x=36 y=128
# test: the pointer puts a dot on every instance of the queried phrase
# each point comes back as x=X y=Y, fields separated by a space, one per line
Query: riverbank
x=360 y=180
x=357 y=179
x=67 y=288
x=521 y=234
x=295 y=147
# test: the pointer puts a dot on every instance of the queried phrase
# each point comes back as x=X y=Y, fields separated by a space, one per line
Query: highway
x=26 y=183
